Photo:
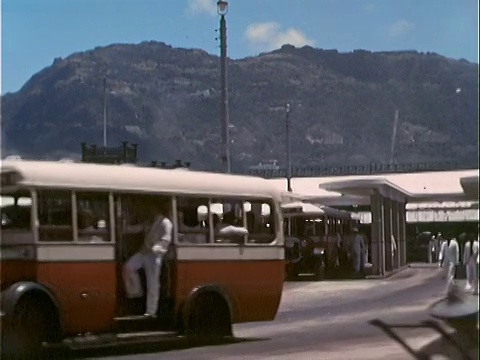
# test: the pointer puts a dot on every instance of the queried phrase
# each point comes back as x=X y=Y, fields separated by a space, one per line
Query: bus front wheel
x=23 y=339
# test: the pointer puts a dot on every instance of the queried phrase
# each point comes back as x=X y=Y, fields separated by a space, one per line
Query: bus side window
x=93 y=217
x=192 y=215
x=16 y=211
x=260 y=222
x=320 y=227
x=55 y=215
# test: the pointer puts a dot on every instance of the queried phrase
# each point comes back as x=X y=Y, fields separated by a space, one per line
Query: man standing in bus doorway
x=158 y=236
x=358 y=247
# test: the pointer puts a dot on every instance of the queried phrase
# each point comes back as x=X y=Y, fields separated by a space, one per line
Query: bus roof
x=301 y=208
x=97 y=177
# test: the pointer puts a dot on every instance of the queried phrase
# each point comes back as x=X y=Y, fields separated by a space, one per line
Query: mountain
x=168 y=101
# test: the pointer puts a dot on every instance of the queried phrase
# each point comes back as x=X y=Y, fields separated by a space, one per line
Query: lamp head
x=222 y=7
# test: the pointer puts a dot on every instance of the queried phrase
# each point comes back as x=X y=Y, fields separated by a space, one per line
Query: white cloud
x=202 y=7
x=400 y=28
x=270 y=36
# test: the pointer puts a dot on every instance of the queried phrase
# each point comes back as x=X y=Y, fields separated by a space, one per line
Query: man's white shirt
x=159 y=235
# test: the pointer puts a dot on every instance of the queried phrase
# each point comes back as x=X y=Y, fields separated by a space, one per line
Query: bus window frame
x=74 y=214
x=112 y=222
x=213 y=199
x=111 y=213
x=173 y=200
x=175 y=228
x=245 y=223
x=12 y=189
x=37 y=221
x=277 y=216
x=211 y=227
x=34 y=216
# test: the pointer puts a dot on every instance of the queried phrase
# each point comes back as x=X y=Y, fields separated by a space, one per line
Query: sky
x=35 y=32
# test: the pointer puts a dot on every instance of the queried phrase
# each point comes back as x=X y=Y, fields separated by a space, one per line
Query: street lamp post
x=287 y=134
x=105 y=113
x=222 y=9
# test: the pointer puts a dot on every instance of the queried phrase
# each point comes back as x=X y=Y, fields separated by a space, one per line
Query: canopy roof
x=441 y=186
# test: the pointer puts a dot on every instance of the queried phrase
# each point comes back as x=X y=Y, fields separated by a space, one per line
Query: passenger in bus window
x=229 y=219
x=190 y=227
x=158 y=237
x=251 y=223
x=229 y=229
x=92 y=215
x=216 y=221
x=260 y=224
x=87 y=227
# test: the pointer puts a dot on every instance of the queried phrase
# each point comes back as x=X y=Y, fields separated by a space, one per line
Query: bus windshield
x=15 y=211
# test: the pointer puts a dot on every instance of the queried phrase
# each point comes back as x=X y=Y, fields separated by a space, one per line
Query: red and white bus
x=314 y=235
x=66 y=235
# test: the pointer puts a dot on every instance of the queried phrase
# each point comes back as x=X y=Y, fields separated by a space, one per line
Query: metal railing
x=363 y=169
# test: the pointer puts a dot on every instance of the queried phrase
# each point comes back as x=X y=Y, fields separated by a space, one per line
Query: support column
x=375 y=232
x=382 y=237
x=387 y=219
x=403 y=234
x=378 y=233
x=397 y=234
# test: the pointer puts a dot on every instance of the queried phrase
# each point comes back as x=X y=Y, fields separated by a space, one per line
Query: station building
x=387 y=202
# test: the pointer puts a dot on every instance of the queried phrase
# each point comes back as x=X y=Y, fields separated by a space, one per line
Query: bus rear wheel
x=210 y=317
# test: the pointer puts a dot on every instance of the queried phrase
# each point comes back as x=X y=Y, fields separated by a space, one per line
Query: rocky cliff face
x=167 y=101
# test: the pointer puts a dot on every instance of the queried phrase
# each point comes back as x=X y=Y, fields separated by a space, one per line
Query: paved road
x=325 y=320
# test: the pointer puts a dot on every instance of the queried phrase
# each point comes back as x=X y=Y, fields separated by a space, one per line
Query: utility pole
x=222 y=8
x=394 y=136
x=287 y=134
x=105 y=112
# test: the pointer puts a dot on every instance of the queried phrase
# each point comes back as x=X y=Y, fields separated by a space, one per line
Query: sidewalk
x=414 y=265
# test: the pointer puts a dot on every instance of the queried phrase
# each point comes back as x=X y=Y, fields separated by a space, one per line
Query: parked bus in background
x=316 y=238
x=67 y=232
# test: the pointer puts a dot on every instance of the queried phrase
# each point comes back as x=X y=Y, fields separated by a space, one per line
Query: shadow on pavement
x=119 y=349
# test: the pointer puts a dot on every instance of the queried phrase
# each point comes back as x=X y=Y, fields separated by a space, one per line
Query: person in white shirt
x=470 y=260
x=229 y=231
x=158 y=236
x=433 y=247
x=440 y=241
x=449 y=257
x=358 y=246
x=393 y=250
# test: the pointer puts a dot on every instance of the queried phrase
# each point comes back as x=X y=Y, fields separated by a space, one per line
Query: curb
x=387 y=274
